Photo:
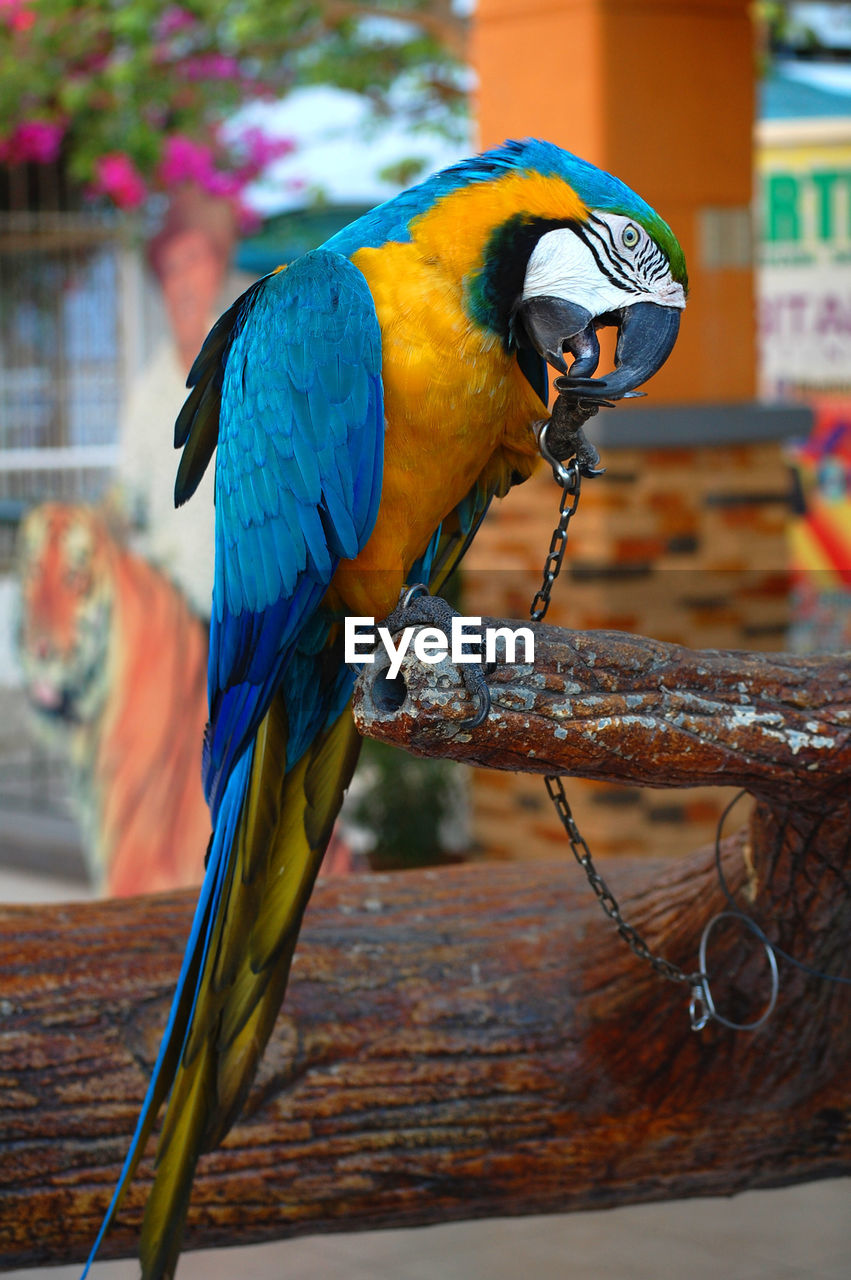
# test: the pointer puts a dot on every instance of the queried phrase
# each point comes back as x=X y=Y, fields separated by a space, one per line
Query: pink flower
x=117 y=177
x=226 y=185
x=185 y=161
x=210 y=66
x=15 y=15
x=34 y=142
x=260 y=150
x=174 y=20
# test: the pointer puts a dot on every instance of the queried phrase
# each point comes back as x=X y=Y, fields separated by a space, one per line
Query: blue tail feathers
x=180 y=1015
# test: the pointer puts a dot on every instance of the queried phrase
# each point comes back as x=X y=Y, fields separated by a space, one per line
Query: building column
x=661 y=93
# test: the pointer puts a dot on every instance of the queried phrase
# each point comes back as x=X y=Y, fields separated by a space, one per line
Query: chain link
x=570 y=477
x=558 y=545
x=605 y=897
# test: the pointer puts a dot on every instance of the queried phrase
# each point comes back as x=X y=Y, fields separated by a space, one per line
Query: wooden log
x=455 y=1044
x=478 y=1040
x=628 y=709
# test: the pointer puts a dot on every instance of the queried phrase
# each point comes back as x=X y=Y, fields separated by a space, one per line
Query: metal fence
x=73 y=328
x=63 y=359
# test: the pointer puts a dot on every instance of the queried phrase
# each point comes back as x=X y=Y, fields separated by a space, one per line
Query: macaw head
x=585 y=252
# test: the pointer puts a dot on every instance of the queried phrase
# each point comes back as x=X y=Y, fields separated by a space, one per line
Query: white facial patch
x=610 y=263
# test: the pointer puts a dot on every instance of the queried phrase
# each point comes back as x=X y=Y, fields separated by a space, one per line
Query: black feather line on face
x=597 y=227
x=493 y=292
x=622 y=282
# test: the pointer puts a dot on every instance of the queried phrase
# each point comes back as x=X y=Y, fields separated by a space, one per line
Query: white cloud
x=340 y=149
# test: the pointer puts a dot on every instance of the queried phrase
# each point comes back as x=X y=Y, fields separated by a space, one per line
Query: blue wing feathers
x=309 y=490
x=298 y=480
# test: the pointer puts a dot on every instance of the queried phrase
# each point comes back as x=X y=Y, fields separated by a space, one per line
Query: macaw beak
x=647 y=332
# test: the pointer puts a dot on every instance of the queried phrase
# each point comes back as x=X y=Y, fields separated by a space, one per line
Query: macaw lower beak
x=647 y=332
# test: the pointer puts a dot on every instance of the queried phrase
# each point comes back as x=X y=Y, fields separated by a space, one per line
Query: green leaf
x=120 y=80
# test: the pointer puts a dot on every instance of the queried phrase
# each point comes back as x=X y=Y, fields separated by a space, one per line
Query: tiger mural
x=114 y=665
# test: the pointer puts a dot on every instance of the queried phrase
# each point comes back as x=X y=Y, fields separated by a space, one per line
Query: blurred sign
x=804 y=274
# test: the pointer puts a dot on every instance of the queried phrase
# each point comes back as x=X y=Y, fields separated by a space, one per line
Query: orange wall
x=660 y=92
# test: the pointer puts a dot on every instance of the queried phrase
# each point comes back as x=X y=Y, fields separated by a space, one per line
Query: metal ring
x=701 y=993
x=563 y=475
x=418 y=589
x=698 y=1012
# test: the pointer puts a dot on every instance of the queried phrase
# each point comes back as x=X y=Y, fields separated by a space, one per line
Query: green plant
x=134 y=95
x=404 y=803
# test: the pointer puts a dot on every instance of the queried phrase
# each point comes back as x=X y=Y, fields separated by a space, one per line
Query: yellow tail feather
x=282 y=834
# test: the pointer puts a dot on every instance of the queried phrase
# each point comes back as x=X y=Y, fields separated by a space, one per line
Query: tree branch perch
x=628 y=709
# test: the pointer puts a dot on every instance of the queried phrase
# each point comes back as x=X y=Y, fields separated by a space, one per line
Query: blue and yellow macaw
x=366 y=404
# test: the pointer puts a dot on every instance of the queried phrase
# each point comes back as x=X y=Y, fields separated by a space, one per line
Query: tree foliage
x=133 y=95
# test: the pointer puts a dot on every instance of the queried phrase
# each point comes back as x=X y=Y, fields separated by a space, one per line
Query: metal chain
x=570 y=477
x=607 y=900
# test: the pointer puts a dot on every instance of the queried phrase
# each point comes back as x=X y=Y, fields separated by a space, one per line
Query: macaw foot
x=565 y=437
x=417 y=608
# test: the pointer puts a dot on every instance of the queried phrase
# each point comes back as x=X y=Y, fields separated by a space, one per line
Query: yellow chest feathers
x=457 y=406
x=453 y=399
x=453 y=396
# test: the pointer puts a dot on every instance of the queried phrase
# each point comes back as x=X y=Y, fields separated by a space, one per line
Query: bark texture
x=477 y=1040
x=623 y=708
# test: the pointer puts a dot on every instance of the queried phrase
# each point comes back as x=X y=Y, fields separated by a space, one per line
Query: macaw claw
x=417 y=607
x=562 y=437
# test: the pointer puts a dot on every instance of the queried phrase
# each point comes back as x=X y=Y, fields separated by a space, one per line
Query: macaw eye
x=630 y=236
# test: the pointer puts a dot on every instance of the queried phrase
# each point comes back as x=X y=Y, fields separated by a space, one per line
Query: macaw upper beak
x=647 y=332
